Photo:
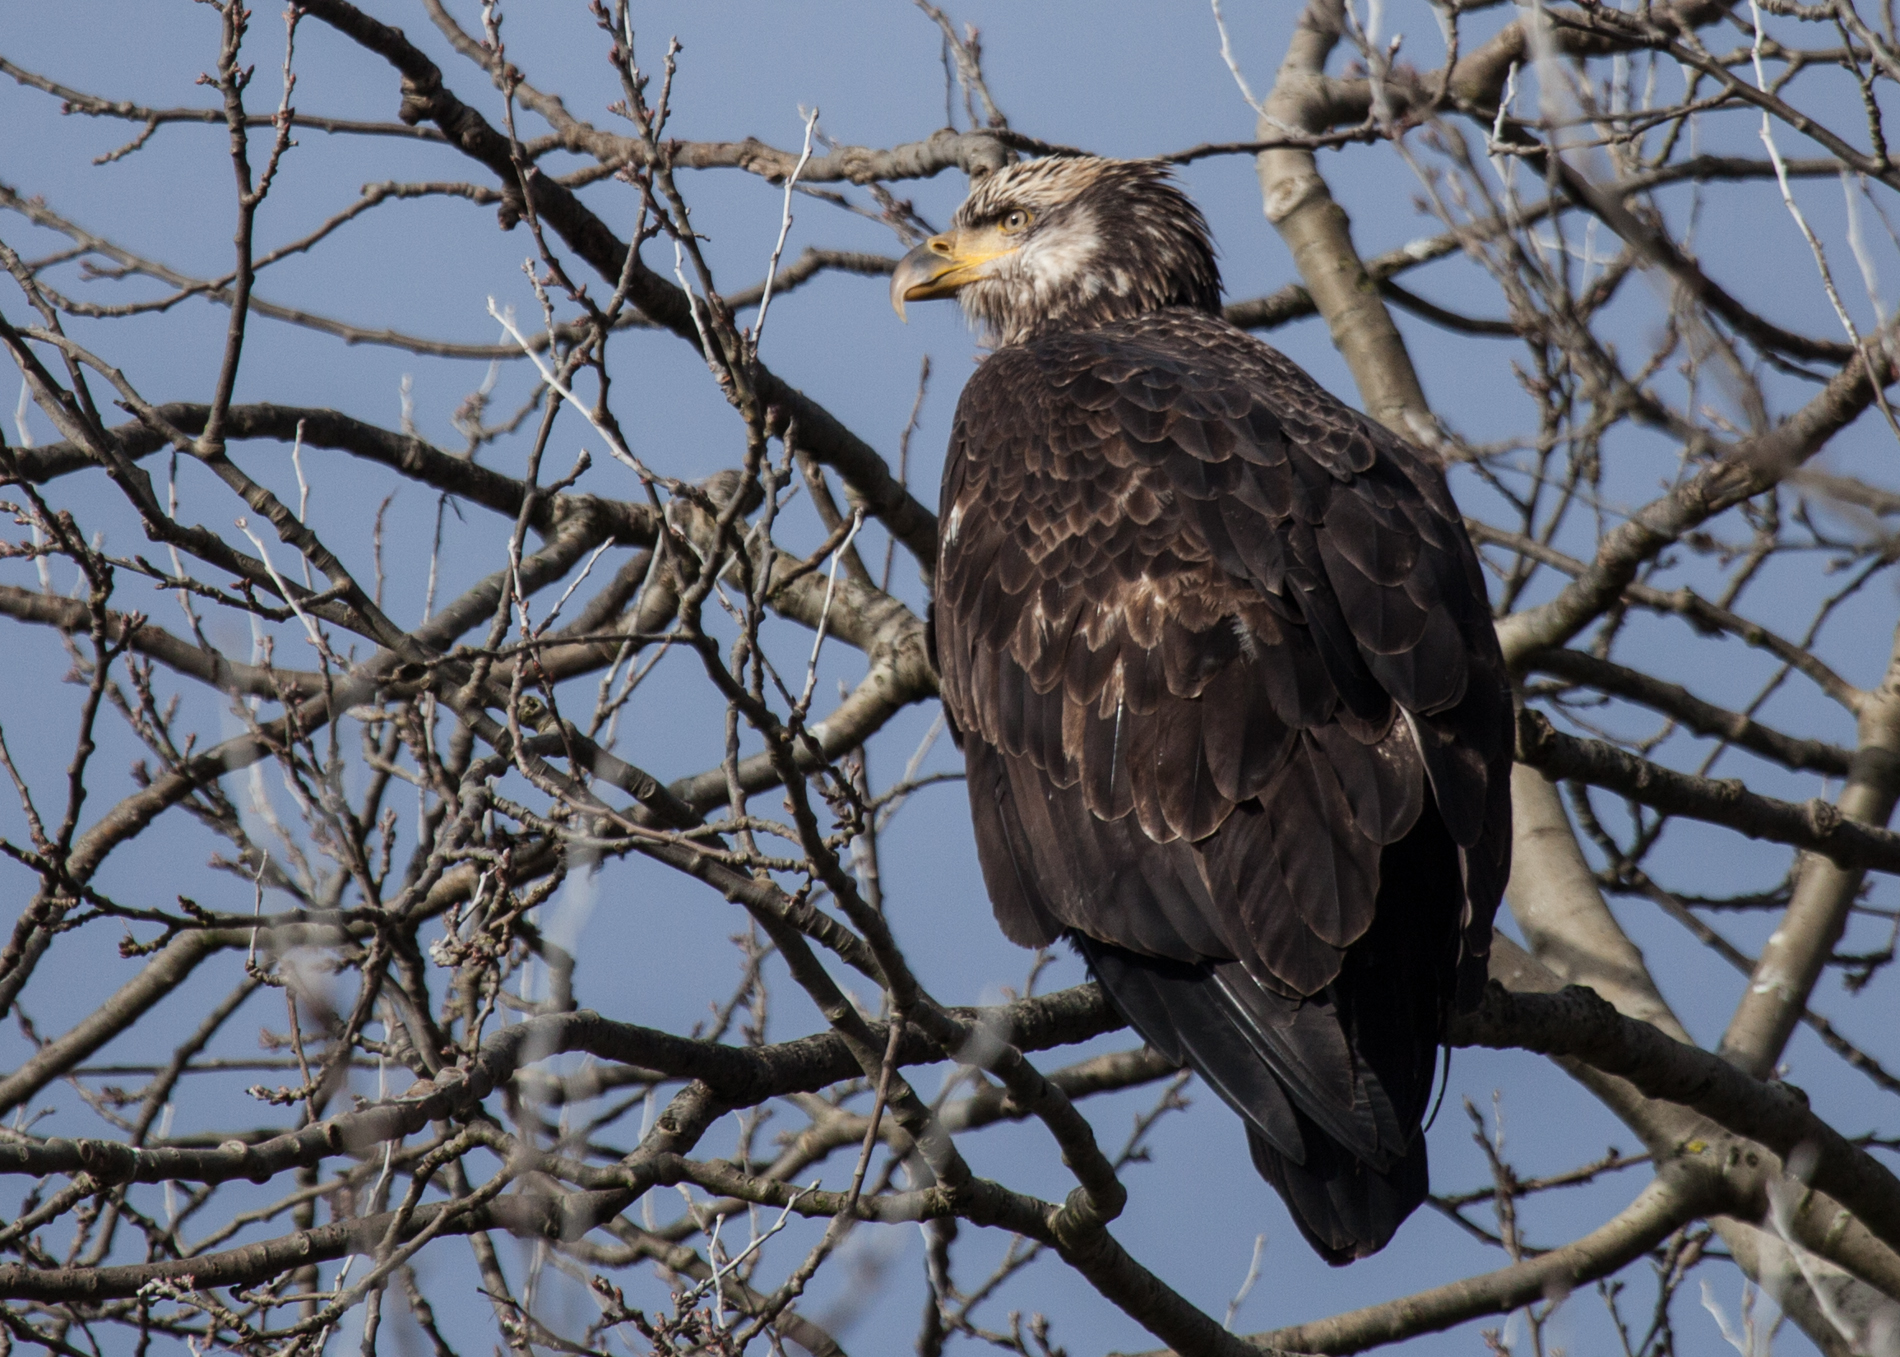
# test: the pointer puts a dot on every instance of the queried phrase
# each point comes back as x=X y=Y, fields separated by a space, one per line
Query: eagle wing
x=1235 y=718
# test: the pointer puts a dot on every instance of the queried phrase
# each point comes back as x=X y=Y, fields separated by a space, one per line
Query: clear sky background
x=1124 y=79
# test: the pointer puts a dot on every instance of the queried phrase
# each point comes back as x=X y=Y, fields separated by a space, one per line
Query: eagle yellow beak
x=943 y=264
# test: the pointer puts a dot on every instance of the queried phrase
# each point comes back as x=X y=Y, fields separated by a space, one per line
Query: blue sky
x=1123 y=79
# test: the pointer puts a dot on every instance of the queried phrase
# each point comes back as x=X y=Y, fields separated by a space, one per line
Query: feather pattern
x=1219 y=656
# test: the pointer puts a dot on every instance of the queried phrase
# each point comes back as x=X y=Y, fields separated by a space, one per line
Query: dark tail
x=1333 y=1087
x=1346 y=1210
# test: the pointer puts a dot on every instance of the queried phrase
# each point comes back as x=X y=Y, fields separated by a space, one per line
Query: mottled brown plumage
x=1219 y=657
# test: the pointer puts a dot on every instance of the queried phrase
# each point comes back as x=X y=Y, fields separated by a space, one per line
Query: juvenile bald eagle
x=1217 y=651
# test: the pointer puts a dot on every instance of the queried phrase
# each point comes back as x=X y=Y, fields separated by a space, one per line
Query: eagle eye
x=1015 y=220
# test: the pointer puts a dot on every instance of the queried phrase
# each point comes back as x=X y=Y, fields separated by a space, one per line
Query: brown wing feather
x=1167 y=553
x=1217 y=648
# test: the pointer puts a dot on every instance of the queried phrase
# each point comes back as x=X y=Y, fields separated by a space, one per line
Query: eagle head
x=1066 y=243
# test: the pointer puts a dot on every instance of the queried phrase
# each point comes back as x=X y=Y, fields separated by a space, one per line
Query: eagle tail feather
x=1343 y=1207
x=1349 y=1161
x=1180 y=1010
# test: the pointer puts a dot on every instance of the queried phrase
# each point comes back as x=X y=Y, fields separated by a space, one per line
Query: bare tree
x=1569 y=159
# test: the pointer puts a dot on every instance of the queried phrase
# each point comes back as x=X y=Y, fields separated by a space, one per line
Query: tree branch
x=1817 y=825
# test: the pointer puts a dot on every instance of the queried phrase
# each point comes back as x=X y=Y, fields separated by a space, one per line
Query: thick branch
x=1685 y=603
x=1316 y=230
x=1579 y=1023
x=1741 y=471
x=1824 y=894
x=1690 y=711
x=1816 y=825
x=1661 y=1209
x=741 y=1076
x=626 y=522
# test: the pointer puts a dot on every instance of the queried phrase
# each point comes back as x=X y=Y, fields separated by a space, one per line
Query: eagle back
x=1183 y=583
